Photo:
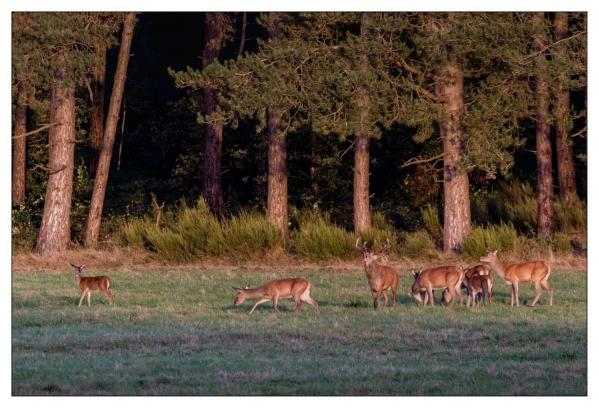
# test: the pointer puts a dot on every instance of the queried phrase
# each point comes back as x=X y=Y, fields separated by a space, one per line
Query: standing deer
x=478 y=281
x=441 y=277
x=91 y=284
x=296 y=288
x=535 y=272
x=380 y=277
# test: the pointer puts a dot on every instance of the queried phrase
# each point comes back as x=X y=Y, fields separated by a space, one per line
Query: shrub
x=417 y=244
x=169 y=244
x=502 y=237
x=380 y=232
x=200 y=228
x=561 y=242
x=432 y=222
x=133 y=232
x=247 y=233
x=515 y=203
x=570 y=217
x=319 y=239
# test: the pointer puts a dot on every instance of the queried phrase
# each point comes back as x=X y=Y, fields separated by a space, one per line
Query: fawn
x=478 y=281
x=535 y=272
x=91 y=284
x=380 y=277
x=296 y=288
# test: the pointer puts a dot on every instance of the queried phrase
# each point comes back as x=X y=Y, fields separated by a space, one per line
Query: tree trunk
x=544 y=176
x=456 y=209
x=361 y=154
x=213 y=133
x=565 y=157
x=101 y=180
x=277 y=208
x=55 y=231
x=96 y=120
x=19 y=152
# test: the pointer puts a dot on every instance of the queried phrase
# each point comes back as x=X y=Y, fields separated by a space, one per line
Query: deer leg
x=431 y=297
x=537 y=294
x=89 y=295
x=512 y=298
x=384 y=292
x=298 y=303
x=275 y=301
x=83 y=293
x=394 y=290
x=108 y=296
x=516 y=294
x=549 y=291
x=313 y=303
x=258 y=303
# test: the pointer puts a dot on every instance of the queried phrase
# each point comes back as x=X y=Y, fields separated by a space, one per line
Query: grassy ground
x=172 y=333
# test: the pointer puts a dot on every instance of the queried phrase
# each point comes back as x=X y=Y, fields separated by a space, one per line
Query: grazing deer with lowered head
x=441 y=277
x=296 y=288
x=380 y=277
x=90 y=284
x=535 y=272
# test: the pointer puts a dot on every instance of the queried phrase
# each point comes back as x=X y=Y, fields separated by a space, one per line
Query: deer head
x=368 y=255
x=241 y=295
x=78 y=268
x=490 y=257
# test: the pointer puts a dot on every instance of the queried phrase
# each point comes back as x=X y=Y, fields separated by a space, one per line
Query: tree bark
x=277 y=208
x=456 y=210
x=213 y=133
x=101 y=180
x=544 y=176
x=19 y=151
x=55 y=231
x=565 y=157
x=361 y=154
x=96 y=120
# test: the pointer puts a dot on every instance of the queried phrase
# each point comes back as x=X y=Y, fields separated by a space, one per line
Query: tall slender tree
x=101 y=180
x=563 y=145
x=216 y=32
x=96 y=118
x=543 y=139
x=19 y=151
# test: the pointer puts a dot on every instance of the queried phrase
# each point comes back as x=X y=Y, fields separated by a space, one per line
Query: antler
x=386 y=245
x=77 y=266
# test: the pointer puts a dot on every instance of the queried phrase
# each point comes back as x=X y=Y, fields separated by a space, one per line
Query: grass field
x=174 y=333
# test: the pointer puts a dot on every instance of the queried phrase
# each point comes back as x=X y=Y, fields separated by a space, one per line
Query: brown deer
x=296 y=288
x=380 y=277
x=535 y=272
x=441 y=277
x=478 y=280
x=91 y=284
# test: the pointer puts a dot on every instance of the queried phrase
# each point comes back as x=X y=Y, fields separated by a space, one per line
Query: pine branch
x=41 y=129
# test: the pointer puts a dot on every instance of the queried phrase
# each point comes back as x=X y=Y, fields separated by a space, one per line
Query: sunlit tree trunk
x=101 y=180
x=449 y=88
x=277 y=208
x=55 y=231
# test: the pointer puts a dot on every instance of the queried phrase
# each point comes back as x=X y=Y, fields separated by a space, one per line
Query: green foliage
x=570 y=217
x=561 y=243
x=133 y=232
x=514 y=202
x=319 y=239
x=432 y=222
x=501 y=237
x=250 y=233
x=418 y=244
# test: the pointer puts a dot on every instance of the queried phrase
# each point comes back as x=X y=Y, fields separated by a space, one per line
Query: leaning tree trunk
x=213 y=133
x=361 y=153
x=19 y=151
x=101 y=180
x=565 y=157
x=456 y=209
x=55 y=231
x=96 y=120
x=544 y=177
x=277 y=208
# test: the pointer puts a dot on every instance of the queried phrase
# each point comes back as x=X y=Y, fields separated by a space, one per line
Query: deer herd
x=477 y=281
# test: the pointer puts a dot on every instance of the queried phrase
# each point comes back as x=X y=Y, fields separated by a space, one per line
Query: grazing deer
x=441 y=277
x=91 y=284
x=380 y=277
x=296 y=288
x=535 y=272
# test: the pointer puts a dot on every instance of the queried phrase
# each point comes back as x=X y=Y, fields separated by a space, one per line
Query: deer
x=90 y=284
x=440 y=277
x=535 y=272
x=478 y=281
x=296 y=288
x=380 y=277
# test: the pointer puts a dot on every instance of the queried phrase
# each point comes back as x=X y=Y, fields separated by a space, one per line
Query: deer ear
x=82 y=266
x=495 y=252
x=247 y=286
